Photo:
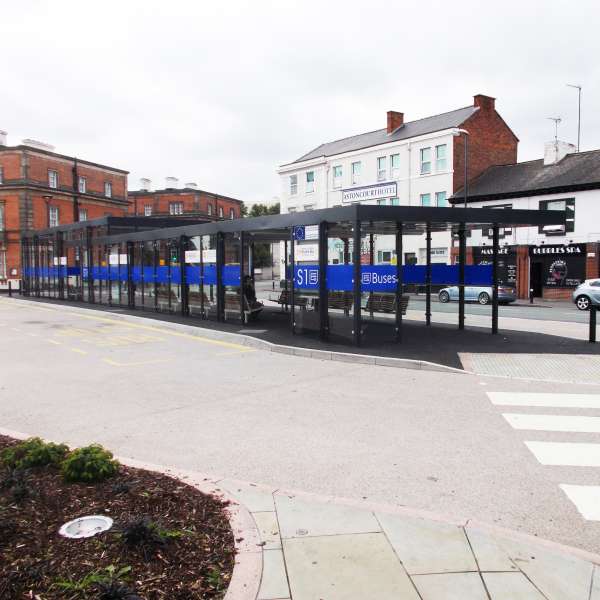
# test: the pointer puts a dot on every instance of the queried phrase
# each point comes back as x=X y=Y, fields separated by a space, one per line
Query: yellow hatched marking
x=53 y=342
x=78 y=350
x=114 y=363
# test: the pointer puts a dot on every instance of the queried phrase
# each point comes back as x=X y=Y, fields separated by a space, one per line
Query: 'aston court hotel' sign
x=370 y=192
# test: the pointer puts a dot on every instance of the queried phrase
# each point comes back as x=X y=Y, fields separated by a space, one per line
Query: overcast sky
x=221 y=93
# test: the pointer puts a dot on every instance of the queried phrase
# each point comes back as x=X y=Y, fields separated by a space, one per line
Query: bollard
x=9 y=288
x=531 y=296
x=593 y=314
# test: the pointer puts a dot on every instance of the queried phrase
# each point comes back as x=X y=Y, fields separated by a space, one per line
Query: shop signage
x=123 y=259
x=113 y=259
x=370 y=192
x=507 y=262
x=209 y=256
x=562 y=266
x=306 y=252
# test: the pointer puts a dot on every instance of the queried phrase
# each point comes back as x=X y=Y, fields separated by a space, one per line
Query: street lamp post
x=578 y=88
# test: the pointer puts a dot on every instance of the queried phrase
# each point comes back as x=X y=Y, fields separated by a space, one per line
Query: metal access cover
x=85 y=527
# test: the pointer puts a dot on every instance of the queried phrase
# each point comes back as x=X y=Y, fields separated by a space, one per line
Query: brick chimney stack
x=484 y=102
x=394 y=120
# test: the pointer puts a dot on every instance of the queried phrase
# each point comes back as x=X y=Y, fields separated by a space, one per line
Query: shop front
x=555 y=271
x=507 y=262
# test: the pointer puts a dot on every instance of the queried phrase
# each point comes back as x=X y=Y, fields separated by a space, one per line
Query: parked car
x=481 y=294
x=587 y=294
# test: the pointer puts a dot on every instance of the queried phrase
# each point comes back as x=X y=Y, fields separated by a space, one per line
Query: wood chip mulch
x=193 y=559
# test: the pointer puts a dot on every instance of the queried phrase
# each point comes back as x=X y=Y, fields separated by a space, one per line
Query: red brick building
x=187 y=201
x=41 y=188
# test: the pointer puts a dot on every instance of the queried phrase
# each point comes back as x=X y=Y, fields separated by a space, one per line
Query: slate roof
x=578 y=171
x=411 y=129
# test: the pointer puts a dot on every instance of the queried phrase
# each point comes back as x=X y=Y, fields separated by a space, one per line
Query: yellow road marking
x=78 y=350
x=197 y=338
x=53 y=342
x=114 y=363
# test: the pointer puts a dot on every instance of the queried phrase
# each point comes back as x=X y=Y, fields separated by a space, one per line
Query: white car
x=587 y=294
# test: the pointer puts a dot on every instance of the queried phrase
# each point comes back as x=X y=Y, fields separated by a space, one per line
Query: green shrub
x=33 y=452
x=89 y=464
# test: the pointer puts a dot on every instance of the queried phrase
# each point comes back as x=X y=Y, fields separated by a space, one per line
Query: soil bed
x=192 y=558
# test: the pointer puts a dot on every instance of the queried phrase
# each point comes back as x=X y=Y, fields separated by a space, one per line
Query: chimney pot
x=3 y=140
x=556 y=150
x=192 y=185
x=484 y=102
x=39 y=145
x=171 y=183
x=145 y=184
x=394 y=120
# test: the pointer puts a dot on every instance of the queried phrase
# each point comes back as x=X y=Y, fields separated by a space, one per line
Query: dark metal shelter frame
x=163 y=264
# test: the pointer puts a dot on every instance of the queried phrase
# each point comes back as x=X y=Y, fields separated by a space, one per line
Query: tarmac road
x=427 y=440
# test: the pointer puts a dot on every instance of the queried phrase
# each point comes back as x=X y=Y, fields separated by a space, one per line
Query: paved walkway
x=317 y=548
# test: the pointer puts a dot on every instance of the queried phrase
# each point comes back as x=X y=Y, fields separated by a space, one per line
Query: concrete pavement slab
x=451 y=586
x=428 y=546
x=254 y=498
x=346 y=567
x=488 y=552
x=300 y=518
x=268 y=528
x=510 y=586
x=274 y=584
x=557 y=576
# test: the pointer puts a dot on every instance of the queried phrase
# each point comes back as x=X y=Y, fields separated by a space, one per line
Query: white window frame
x=231 y=214
x=292 y=209
x=147 y=210
x=209 y=209
x=293 y=185
x=108 y=189
x=53 y=179
x=175 y=208
x=441 y=163
x=394 y=170
x=355 y=170
x=425 y=170
x=381 y=170
x=437 y=199
x=337 y=181
x=53 y=216
x=1 y=174
x=422 y=198
x=220 y=212
x=395 y=201
x=82 y=185
x=2 y=210
x=310 y=183
x=83 y=214
x=2 y=264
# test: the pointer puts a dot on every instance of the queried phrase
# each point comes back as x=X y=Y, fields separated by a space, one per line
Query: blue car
x=481 y=294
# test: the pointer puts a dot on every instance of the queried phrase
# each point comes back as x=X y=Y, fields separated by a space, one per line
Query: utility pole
x=578 y=88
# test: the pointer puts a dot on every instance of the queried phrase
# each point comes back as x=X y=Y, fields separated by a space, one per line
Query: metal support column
x=242 y=272
x=428 y=276
x=90 y=264
x=61 y=280
x=292 y=290
x=323 y=298
x=495 y=279
x=183 y=286
x=131 y=286
x=357 y=325
x=155 y=245
x=285 y=269
x=462 y=259
x=220 y=286
x=36 y=264
x=371 y=262
x=399 y=281
x=593 y=314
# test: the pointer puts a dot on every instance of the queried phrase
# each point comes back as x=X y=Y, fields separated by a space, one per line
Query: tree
x=262 y=252
x=259 y=210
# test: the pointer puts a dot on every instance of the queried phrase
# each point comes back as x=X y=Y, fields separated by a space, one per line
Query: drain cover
x=86 y=526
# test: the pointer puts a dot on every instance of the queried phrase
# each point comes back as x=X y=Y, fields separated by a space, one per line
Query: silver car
x=481 y=294
x=587 y=294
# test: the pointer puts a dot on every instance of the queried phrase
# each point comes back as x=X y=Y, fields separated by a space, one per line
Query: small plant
x=89 y=464
x=115 y=591
x=105 y=578
x=121 y=488
x=140 y=532
x=33 y=452
x=17 y=481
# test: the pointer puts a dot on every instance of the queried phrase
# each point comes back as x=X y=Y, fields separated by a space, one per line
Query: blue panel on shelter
x=479 y=275
x=176 y=274
x=306 y=277
x=210 y=274
x=192 y=274
x=413 y=274
x=73 y=271
x=231 y=275
x=148 y=274
x=340 y=277
x=136 y=274
x=162 y=274
x=442 y=274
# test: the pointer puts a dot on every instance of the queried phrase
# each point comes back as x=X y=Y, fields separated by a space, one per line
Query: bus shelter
x=203 y=270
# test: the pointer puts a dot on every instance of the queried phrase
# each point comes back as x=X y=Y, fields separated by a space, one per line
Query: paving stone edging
x=258 y=344
x=247 y=570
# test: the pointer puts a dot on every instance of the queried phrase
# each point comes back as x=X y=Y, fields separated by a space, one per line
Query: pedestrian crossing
x=569 y=453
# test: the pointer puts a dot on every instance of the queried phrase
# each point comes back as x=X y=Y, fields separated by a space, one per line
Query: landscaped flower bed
x=169 y=541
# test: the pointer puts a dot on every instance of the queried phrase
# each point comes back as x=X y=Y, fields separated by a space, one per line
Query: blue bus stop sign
x=299 y=232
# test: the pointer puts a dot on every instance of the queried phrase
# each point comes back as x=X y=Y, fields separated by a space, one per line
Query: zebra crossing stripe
x=569 y=423
x=586 y=499
x=566 y=454
x=545 y=399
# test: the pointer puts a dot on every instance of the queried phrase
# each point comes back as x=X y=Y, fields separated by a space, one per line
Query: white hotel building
x=416 y=163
